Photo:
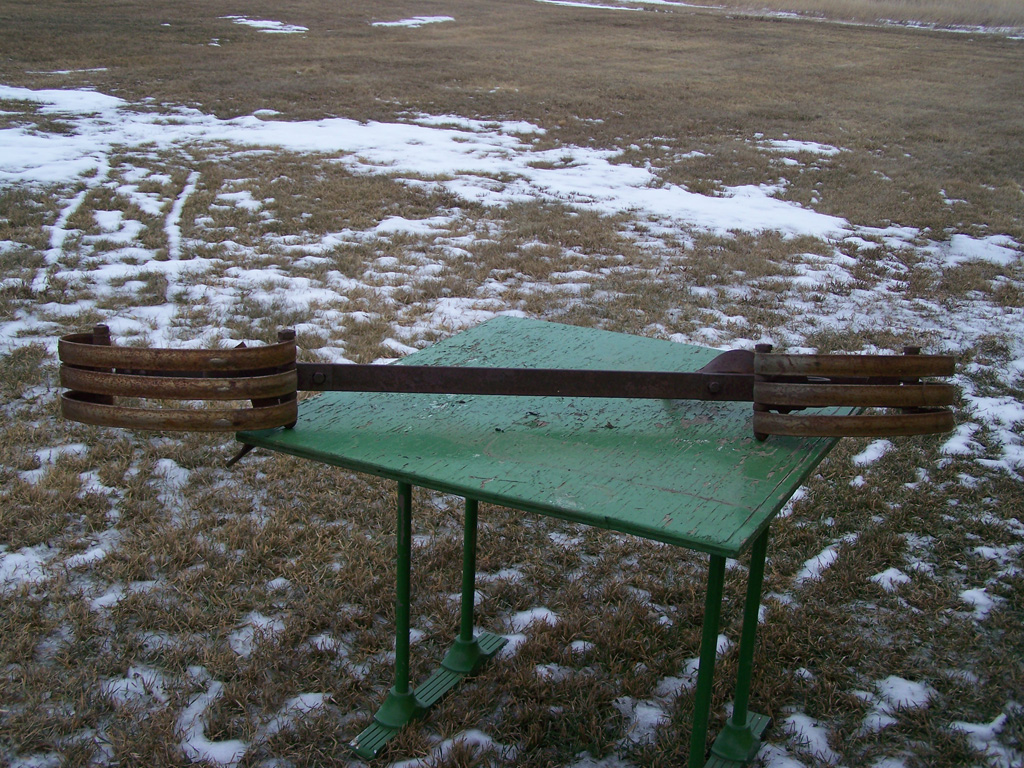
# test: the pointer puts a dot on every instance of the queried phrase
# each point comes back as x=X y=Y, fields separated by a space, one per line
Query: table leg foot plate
x=373 y=738
x=756 y=725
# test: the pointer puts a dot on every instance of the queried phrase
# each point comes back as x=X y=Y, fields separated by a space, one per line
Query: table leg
x=401 y=706
x=469 y=651
x=741 y=738
x=708 y=651
x=467 y=654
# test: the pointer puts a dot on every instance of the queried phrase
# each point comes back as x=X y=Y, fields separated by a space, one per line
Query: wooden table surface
x=684 y=472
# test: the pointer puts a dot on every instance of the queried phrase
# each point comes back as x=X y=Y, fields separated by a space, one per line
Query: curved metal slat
x=886 y=425
x=178 y=419
x=928 y=395
x=179 y=387
x=910 y=366
x=78 y=350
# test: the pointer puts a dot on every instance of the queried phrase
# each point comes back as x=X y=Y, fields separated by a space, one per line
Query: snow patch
x=255 y=628
x=415 y=22
x=813 y=569
x=890 y=579
x=520 y=622
x=981 y=602
x=267 y=26
x=27 y=566
x=192 y=728
x=875 y=451
x=812 y=736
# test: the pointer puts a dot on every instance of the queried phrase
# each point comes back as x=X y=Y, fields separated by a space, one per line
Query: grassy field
x=158 y=608
x=1008 y=14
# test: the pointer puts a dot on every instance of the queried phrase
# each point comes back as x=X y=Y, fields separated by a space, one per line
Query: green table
x=687 y=473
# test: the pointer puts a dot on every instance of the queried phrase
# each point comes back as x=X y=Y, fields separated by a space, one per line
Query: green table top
x=688 y=473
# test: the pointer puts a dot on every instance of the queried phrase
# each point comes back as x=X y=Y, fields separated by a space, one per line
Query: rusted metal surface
x=178 y=387
x=96 y=373
x=884 y=425
x=732 y=361
x=79 y=350
x=811 y=395
x=793 y=382
x=728 y=377
x=178 y=419
x=543 y=382
x=859 y=366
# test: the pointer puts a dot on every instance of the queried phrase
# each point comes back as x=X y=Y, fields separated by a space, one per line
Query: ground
x=200 y=173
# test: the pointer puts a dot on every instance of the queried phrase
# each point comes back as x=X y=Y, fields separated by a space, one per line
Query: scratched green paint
x=683 y=472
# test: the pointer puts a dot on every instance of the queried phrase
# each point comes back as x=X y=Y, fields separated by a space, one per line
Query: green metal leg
x=401 y=705
x=708 y=651
x=469 y=652
x=741 y=738
x=466 y=656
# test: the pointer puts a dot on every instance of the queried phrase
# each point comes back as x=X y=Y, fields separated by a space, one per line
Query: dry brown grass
x=923 y=118
x=315 y=548
x=988 y=13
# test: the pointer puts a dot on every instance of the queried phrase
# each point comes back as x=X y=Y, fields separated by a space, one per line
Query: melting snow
x=192 y=727
x=138 y=686
x=899 y=693
x=104 y=124
x=520 y=622
x=256 y=626
x=996 y=249
x=890 y=579
x=643 y=719
x=292 y=711
x=414 y=22
x=984 y=737
x=981 y=601
x=813 y=736
x=813 y=568
x=26 y=566
x=872 y=453
x=47 y=457
x=270 y=27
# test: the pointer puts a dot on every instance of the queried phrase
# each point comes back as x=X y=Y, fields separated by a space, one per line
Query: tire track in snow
x=172 y=225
